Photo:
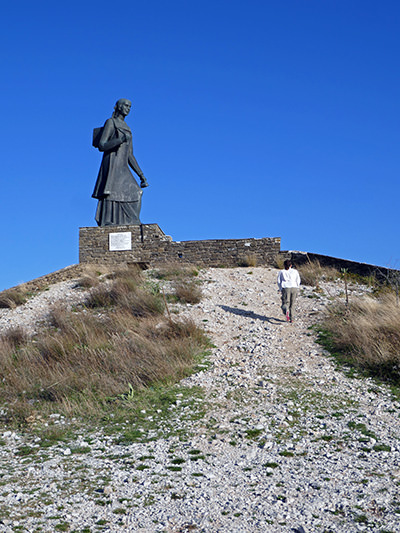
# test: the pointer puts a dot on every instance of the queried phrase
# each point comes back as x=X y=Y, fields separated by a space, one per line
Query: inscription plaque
x=118 y=242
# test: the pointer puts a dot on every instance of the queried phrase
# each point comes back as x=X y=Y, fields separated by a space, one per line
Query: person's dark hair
x=287 y=264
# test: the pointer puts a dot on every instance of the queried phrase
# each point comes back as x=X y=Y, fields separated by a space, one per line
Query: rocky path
x=287 y=442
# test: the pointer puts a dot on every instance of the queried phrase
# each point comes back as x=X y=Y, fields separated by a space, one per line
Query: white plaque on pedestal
x=118 y=242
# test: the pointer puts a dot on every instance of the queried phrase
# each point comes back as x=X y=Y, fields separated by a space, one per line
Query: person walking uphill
x=288 y=283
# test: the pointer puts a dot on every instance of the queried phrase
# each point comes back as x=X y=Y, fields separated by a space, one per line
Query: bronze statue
x=119 y=195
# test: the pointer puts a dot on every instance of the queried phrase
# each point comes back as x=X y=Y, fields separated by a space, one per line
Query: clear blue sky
x=251 y=118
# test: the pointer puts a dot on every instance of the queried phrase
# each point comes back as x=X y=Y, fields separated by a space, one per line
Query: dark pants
x=288 y=298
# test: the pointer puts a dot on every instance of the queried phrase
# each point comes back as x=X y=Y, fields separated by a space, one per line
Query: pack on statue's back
x=97 y=132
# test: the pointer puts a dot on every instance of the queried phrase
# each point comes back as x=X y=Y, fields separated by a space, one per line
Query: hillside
x=269 y=436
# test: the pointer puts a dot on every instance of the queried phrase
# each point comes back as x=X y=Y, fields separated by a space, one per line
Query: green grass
x=382 y=448
x=362 y=428
x=178 y=461
x=286 y=453
x=253 y=433
x=271 y=465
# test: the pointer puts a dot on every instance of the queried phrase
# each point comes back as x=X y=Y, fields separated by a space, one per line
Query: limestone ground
x=287 y=443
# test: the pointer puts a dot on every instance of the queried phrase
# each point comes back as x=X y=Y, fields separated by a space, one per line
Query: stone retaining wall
x=382 y=274
x=65 y=274
x=150 y=245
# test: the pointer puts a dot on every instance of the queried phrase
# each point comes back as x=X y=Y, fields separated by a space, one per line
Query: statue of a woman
x=119 y=195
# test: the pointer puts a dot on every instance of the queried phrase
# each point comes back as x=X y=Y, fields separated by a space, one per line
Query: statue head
x=122 y=107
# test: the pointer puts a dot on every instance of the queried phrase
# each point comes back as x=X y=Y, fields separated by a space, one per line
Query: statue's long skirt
x=111 y=213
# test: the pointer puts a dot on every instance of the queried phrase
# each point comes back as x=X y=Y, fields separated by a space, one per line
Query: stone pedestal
x=121 y=244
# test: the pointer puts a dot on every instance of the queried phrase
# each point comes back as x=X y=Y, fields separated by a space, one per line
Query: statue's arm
x=135 y=166
x=107 y=141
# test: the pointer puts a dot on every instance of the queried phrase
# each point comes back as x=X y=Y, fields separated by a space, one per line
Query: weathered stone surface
x=151 y=245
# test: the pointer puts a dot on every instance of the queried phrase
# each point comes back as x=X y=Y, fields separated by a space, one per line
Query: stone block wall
x=64 y=274
x=382 y=274
x=150 y=245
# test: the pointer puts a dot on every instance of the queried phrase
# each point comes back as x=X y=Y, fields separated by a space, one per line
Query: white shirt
x=288 y=279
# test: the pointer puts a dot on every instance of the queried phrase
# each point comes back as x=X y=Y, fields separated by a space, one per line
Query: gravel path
x=288 y=443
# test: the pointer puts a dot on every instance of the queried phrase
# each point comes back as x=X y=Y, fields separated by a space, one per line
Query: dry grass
x=188 y=292
x=88 y=281
x=126 y=290
x=84 y=358
x=92 y=275
x=278 y=262
x=367 y=333
x=312 y=273
x=184 y=286
x=12 y=298
x=249 y=260
x=175 y=271
x=128 y=295
x=14 y=336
